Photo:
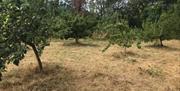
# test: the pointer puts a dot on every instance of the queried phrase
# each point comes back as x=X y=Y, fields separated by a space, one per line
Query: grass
x=85 y=68
x=152 y=71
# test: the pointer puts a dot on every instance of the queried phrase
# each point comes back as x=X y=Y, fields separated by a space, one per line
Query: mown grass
x=70 y=67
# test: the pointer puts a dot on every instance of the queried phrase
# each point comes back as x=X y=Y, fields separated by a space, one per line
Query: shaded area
x=125 y=55
x=55 y=77
x=80 y=45
x=166 y=48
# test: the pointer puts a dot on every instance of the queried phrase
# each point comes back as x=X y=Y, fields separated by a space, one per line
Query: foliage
x=23 y=24
x=164 y=27
x=103 y=22
x=122 y=35
x=77 y=26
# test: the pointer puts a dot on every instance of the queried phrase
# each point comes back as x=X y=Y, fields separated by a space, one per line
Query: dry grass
x=86 y=68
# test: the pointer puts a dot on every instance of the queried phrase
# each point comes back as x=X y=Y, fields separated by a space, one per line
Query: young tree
x=22 y=25
x=162 y=25
x=122 y=35
x=77 y=26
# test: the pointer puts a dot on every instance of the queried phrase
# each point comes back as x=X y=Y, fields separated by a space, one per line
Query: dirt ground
x=70 y=67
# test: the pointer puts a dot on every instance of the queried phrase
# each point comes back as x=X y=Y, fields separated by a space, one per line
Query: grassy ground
x=70 y=67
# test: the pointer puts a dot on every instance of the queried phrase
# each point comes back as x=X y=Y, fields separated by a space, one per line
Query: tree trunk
x=125 y=51
x=0 y=76
x=161 y=43
x=78 y=4
x=37 y=57
x=77 y=40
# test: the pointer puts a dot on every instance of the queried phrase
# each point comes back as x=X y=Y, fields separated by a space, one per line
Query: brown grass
x=85 y=68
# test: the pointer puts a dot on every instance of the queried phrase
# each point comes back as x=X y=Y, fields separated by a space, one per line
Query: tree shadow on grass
x=80 y=45
x=55 y=77
x=130 y=56
x=124 y=55
x=167 y=48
